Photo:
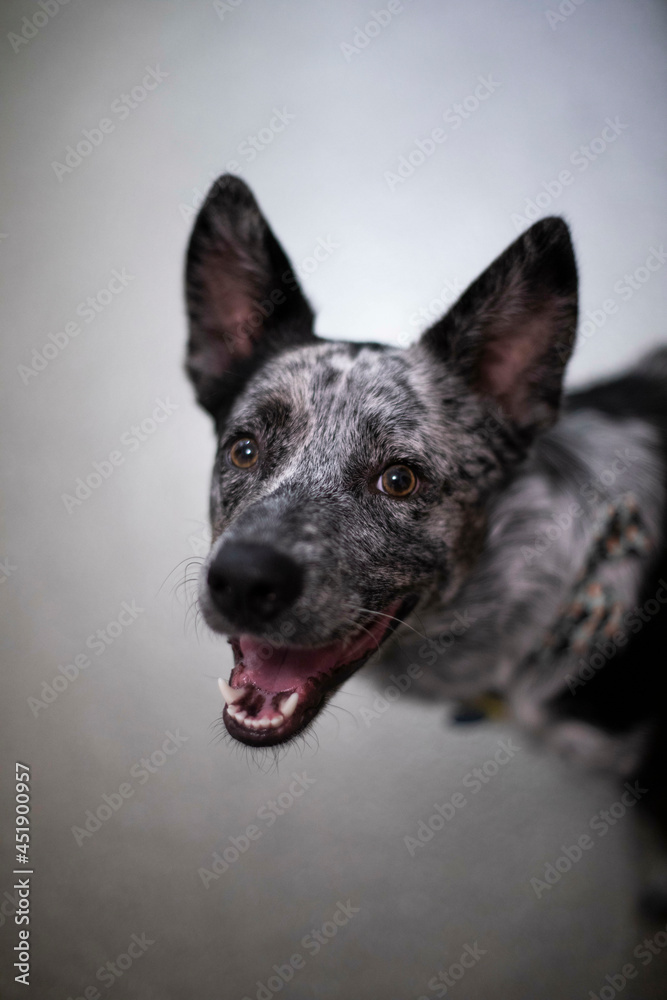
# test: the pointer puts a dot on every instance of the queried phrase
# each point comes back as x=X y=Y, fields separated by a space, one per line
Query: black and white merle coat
x=512 y=491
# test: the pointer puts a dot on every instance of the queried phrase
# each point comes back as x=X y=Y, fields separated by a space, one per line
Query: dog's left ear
x=512 y=331
x=243 y=300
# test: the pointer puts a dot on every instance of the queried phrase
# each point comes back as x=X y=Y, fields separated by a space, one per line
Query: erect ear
x=512 y=331
x=243 y=300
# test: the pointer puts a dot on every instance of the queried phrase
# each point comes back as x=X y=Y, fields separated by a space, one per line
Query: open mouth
x=274 y=692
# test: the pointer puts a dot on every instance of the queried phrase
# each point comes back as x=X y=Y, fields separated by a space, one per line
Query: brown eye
x=397 y=481
x=244 y=453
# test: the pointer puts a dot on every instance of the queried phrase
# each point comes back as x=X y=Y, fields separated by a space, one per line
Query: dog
x=370 y=498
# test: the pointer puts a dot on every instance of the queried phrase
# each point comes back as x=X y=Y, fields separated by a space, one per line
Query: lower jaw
x=308 y=707
x=311 y=697
x=275 y=735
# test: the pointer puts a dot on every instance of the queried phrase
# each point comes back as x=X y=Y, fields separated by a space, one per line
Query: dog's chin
x=274 y=693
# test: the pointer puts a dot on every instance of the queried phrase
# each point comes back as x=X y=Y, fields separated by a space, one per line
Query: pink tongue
x=283 y=669
x=286 y=668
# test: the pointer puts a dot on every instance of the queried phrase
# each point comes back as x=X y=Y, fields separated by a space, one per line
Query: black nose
x=253 y=583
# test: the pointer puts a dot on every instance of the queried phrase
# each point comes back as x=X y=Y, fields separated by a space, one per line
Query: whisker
x=363 y=628
x=190 y=560
x=383 y=614
x=343 y=692
x=331 y=707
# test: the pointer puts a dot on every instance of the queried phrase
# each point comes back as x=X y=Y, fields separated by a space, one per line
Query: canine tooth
x=288 y=705
x=229 y=693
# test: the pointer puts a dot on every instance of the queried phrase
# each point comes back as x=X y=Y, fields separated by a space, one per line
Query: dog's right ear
x=243 y=300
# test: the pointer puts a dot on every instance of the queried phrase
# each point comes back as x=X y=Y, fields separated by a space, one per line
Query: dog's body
x=552 y=536
x=360 y=489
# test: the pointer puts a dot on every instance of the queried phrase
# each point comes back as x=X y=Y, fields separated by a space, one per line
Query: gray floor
x=70 y=566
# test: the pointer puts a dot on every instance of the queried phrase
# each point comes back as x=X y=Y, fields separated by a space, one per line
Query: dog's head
x=351 y=480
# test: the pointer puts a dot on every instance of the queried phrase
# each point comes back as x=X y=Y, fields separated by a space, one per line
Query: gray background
x=128 y=206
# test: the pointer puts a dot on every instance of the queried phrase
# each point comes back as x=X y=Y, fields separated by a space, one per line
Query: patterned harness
x=592 y=612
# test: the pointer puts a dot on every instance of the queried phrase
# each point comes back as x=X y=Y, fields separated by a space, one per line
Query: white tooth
x=264 y=723
x=288 y=706
x=277 y=720
x=229 y=693
x=236 y=713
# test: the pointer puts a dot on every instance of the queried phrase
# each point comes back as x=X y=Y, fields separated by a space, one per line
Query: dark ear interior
x=243 y=300
x=512 y=331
